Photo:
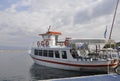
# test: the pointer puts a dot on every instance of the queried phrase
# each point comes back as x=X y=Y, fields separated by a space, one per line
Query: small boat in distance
x=74 y=54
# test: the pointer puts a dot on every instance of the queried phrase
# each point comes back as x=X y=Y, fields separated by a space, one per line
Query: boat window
x=40 y=52
x=45 y=53
x=57 y=55
x=36 y=52
x=74 y=53
x=64 y=55
x=50 y=53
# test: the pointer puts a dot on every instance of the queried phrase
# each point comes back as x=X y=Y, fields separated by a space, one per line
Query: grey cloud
x=81 y=17
x=16 y=36
x=105 y=7
x=61 y=19
x=11 y=30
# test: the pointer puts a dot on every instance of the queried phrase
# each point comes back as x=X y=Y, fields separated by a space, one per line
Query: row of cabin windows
x=50 y=53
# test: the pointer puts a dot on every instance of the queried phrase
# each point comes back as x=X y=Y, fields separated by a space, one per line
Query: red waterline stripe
x=77 y=65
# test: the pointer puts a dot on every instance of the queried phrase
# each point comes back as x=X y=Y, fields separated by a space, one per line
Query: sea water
x=17 y=65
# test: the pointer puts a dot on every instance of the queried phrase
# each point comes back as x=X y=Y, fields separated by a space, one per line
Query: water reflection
x=39 y=72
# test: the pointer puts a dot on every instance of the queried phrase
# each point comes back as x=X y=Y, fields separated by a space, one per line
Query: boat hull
x=76 y=66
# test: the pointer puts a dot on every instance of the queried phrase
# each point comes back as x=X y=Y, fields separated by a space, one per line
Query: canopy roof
x=87 y=41
x=52 y=33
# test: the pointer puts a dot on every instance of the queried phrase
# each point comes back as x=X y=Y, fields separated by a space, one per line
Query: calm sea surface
x=17 y=65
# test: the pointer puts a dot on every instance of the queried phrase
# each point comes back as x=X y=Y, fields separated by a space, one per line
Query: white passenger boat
x=74 y=54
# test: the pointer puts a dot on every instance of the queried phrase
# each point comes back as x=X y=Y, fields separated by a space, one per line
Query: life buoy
x=47 y=43
x=66 y=42
x=42 y=43
x=38 y=43
x=116 y=61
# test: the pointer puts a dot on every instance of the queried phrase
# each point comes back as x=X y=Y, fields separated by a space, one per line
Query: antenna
x=113 y=19
x=49 y=28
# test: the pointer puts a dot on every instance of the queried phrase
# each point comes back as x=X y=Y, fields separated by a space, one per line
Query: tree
x=109 y=46
x=118 y=43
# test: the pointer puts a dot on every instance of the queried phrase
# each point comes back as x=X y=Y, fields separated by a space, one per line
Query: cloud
x=22 y=21
x=100 y=8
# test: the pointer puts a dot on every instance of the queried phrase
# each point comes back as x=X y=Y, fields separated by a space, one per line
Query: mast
x=113 y=19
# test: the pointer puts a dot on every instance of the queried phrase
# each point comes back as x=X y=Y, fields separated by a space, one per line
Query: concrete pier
x=105 y=77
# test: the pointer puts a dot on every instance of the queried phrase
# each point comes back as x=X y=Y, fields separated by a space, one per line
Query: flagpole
x=113 y=19
x=105 y=33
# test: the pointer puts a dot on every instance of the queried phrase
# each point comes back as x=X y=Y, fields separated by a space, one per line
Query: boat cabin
x=93 y=49
x=50 y=38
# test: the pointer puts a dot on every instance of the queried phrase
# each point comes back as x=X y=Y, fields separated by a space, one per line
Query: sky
x=22 y=20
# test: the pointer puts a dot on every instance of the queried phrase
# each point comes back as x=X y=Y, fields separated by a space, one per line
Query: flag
x=105 y=33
